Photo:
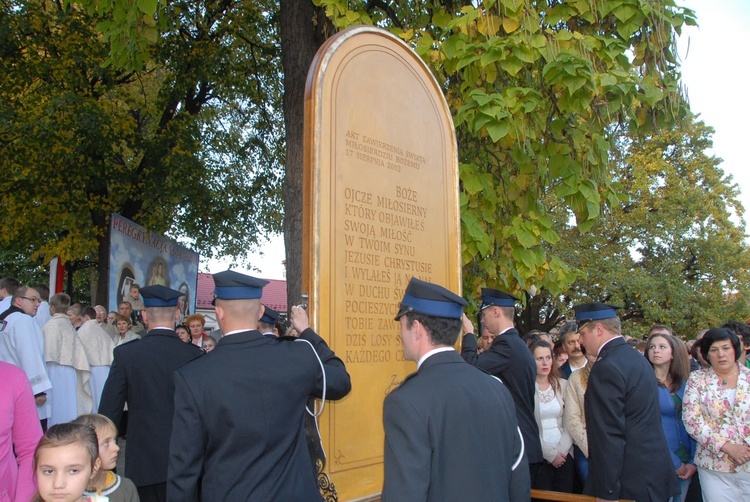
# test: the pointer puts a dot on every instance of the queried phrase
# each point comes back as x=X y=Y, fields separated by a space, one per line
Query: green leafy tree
x=189 y=144
x=535 y=87
x=674 y=251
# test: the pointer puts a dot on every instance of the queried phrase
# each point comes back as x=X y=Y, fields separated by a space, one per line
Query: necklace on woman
x=724 y=378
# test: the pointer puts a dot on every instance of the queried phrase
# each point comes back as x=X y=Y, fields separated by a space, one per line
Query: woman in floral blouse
x=716 y=413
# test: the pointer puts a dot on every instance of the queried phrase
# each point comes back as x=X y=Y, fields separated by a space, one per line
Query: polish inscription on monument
x=381 y=206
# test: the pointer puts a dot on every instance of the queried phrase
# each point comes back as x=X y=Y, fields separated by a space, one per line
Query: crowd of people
x=78 y=375
x=701 y=400
x=580 y=410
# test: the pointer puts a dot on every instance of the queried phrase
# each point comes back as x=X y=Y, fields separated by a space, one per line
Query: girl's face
x=543 y=358
x=183 y=334
x=63 y=472
x=659 y=351
x=107 y=447
x=122 y=327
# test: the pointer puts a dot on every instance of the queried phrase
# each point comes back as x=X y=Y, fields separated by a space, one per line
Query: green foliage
x=539 y=92
x=190 y=144
x=674 y=251
x=534 y=88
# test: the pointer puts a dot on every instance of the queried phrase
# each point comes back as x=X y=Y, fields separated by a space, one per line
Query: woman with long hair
x=668 y=356
x=557 y=471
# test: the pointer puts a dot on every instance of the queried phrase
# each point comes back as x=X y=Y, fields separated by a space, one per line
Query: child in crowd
x=65 y=461
x=134 y=297
x=105 y=482
x=209 y=343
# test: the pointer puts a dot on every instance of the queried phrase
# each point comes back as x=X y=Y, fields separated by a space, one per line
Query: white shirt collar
x=576 y=368
x=506 y=329
x=431 y=353
x=238 y=331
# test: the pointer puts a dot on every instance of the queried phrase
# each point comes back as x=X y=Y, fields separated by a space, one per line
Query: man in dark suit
x=510 y=360
x=141 y=376
x=238 y=432
x=267 y=322
x=628 y=455
x=450 y=429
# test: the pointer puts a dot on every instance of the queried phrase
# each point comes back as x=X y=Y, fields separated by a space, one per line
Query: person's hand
x=299 y=318
x=690 y=470
x=466 y=325
x=40 y=399
x=738 y=453
x=559 y=460
x=681 y=470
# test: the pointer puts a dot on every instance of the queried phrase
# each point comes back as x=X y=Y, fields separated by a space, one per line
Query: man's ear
x=176 y=315
x=418 y=329
x=261 y=311
x=219 y=312
x=144 y=315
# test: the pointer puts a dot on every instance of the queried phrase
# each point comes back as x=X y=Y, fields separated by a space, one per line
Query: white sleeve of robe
x=21 y=343
x=62 y=398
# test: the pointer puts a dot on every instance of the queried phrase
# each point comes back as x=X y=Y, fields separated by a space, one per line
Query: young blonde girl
x=105 y=482
x=65 y=460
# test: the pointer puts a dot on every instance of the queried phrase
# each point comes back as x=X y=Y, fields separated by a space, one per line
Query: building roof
x=274 y=294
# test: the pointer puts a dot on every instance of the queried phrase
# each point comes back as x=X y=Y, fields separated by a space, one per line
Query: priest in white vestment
x=67 y=365
x=21 y=344
x=98 y=346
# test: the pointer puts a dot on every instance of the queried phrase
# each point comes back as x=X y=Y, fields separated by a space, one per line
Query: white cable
x=313 y=414
x=323 y=396
x=520 y=455
x=523 y=446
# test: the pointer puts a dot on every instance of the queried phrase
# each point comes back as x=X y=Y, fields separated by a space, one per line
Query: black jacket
x=511 y=360
x=628 y=454
x=451 y=435
x=238 y=429
x=142 y=375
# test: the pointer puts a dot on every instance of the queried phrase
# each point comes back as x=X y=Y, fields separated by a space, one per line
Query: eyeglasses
x=34 y=299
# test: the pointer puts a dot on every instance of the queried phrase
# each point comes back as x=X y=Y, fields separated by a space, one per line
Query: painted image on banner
x=137 y=256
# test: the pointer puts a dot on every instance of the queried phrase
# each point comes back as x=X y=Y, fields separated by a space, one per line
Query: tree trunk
x=102 y=260
x=303 y=30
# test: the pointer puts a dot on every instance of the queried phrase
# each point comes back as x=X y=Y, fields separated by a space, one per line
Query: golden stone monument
x=380 y=206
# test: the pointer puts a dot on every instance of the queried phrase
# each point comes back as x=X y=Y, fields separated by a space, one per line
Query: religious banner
x=137 y=256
